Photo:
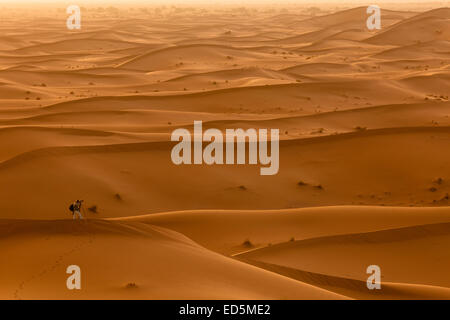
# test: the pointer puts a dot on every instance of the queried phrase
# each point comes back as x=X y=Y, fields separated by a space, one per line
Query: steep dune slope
x=226 y=231
x=331 y=170
x=349 y=255
x=363 y=176
x=330 y=247
x=129 y=261
x=417 y=29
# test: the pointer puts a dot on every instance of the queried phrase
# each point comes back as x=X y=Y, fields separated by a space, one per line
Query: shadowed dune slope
x=362 y=174
x=145 y=264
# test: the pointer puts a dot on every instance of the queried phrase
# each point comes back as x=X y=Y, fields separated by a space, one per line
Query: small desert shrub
x=243 y=187
x=320 y=130
x=247 y=243
x=118 y=196
x=131 y=285
x=301 y=183
x=319 y=186
x=93 y=209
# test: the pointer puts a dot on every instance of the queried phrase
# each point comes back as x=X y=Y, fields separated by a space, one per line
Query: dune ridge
x=363 y=117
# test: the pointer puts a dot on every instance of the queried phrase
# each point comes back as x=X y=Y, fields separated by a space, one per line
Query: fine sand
x=364 y=174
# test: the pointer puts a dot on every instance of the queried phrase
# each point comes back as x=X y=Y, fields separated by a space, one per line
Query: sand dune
x=437 y=28
x=99 y=172
x=357 y=289
x=189 y=54
x=153 y=254
x=278 y=238
x=400 y=265
x=356 y=16
x=363 y=118
x=227 y=230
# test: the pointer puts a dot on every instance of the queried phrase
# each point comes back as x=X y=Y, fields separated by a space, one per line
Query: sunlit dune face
x=339 y=121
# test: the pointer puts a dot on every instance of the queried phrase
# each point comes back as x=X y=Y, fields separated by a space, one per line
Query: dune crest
x=363 y=118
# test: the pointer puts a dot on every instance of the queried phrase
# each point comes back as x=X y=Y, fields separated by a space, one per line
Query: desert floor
x=364 y=173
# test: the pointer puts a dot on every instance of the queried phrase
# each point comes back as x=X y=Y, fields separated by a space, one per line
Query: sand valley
x=364 y=152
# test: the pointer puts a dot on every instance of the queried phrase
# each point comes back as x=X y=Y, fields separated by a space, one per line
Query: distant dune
x=363 y=118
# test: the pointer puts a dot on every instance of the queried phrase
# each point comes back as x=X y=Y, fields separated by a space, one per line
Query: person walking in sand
x=76 y=209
